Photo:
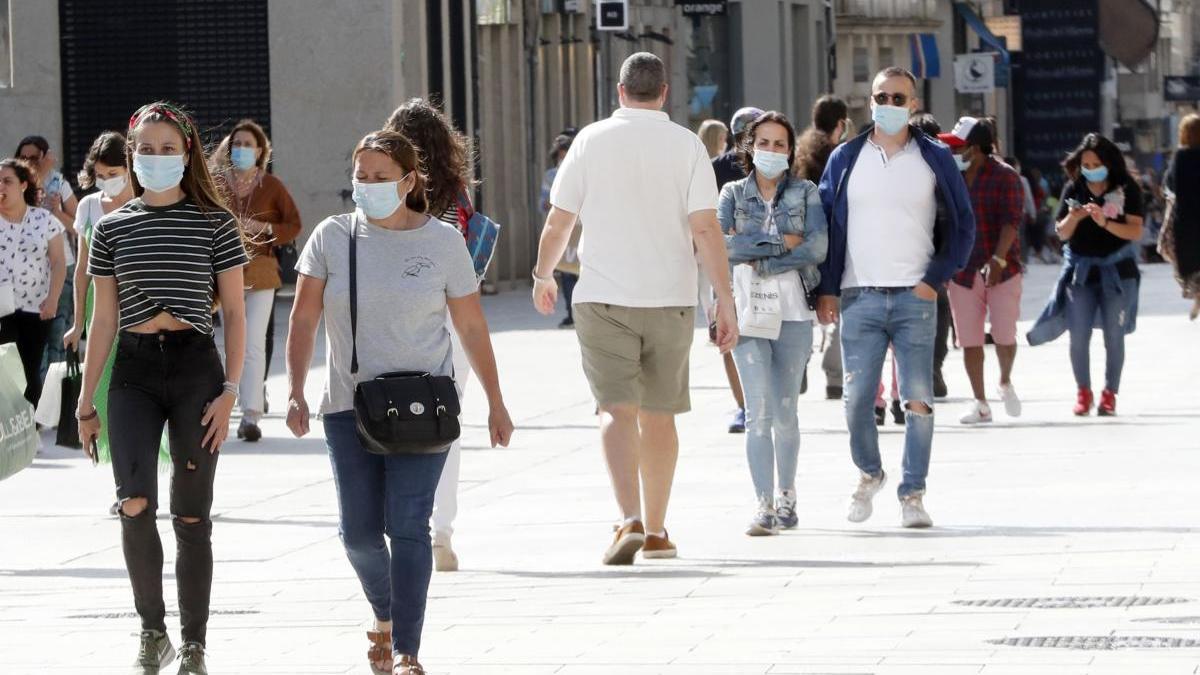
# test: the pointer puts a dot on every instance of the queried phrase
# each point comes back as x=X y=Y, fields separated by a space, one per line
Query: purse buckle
x=392 y=412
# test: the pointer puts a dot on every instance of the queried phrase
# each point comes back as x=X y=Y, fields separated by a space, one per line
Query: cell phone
x=95 y=453
x=1073 y=203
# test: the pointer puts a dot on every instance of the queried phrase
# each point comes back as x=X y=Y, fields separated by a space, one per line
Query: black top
x=1089 y=239
x=728 y=168
x=1183 y=179
x=165 y=259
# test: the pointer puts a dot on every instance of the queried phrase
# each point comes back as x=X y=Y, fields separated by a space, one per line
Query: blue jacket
x=953 y=236
x=1076 y=270
x=797 y=210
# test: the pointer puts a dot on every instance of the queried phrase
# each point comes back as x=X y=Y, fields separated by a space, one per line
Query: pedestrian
x=1180 y=238
x=728 y=167
x=103 y=168
x=57 y=197
x=989 y=289
x=715 y=136
x=888 y=253
x=157 y=263
x=635 y=303
x=445 y=155
x=775 y=228
x=269 y=217
x=829 y=128
x=411 y=270
x=567 y=269
x=1100 y=221
x=32 y=270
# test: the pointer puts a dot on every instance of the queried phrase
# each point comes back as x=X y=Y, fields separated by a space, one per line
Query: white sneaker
x=1012 y=404
x=444 y=557
x=766 y=520
x=860 y=501
x=978 y=413
x=912 y=512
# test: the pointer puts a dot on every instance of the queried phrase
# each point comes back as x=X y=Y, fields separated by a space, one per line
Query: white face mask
x=112 y=186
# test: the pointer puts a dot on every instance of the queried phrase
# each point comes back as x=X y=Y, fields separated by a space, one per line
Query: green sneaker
x=154 y=653
x=191 y=659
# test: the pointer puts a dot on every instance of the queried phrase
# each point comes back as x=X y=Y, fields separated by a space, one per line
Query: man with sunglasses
x=888 y=252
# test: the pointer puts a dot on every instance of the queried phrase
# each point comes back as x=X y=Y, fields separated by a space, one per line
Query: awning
x=925 y=60
x=986 y=36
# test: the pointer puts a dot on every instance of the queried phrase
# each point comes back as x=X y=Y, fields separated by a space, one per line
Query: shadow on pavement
x=1002 y=531
x=331 y=523
x=77 y=573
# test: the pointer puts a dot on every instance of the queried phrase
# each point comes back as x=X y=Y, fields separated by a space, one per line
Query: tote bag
x=757 y=301
x=19 y=440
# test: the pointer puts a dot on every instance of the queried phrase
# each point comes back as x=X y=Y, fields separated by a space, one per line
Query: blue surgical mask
x=890 y=119
x=158 y=173
x=962 y=162
x=243 y=158
x=770 y=164
x=378 y=200
x=1097 y=175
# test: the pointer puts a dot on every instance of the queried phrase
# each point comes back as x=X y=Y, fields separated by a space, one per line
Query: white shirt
x=793 y=305
x=25 y=256
x=892 y=208
x=634 y=178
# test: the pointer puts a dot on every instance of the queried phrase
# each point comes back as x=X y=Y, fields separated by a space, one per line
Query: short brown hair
x=1189 y=131
x=895 y=71
x=401 y=151
x=643 y=75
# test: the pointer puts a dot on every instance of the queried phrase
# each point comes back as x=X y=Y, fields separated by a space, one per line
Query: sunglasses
x=34 y=159
x=881 y=98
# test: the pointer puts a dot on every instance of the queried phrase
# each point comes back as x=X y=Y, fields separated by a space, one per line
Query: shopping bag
x=50 y=404
x=72 y=384
x=19 y=440
x=756 y=299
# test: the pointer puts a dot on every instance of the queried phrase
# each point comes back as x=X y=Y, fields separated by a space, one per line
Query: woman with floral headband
x=156 y=264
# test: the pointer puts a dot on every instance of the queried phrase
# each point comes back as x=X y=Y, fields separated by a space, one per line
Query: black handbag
x=68 y=427
x=408 y=413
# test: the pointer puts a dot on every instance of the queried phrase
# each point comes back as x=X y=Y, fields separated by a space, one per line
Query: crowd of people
x=886 y=239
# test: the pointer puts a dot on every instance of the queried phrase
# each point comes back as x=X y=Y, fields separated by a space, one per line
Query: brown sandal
x=407 y=665
x=380 y=653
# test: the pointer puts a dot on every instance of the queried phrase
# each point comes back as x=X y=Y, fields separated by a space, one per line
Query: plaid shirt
x=999 y=201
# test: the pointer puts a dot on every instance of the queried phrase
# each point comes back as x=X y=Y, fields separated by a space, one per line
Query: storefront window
x=709 y=95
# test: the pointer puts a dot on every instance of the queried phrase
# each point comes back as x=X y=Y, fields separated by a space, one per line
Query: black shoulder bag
x=409 y=413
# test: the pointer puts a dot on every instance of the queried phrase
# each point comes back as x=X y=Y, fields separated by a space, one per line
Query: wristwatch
x=1000 y=261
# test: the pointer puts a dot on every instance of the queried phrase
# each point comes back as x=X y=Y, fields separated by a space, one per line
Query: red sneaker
x=1108 y=404
x=1083 y=402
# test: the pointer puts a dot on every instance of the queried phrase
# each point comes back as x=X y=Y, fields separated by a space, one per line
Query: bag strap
x=353 y=294
x=73 y=363
x=464 y=202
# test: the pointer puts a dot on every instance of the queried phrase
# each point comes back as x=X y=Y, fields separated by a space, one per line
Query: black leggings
x=166 y=378
x=30 y=333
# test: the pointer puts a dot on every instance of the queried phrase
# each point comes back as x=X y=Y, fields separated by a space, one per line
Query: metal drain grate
x=1100 y=642
x=1171 y=619
x=134 y=615
x=1072 y=602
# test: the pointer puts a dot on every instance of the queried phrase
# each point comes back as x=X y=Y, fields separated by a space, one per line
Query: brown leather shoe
x=659 y=547
x=380 y=653
x=407 y=665
x=627 y=542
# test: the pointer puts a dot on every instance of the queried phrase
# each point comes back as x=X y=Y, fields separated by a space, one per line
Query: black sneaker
x=155 y=651
x=833 y=393
x=897 y=413
x=249 y=432
x=567 y=323
x=191 y=659
x=939 y=384
x=880 y=416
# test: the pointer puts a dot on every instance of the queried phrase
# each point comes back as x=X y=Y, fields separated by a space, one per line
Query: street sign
x=975 y=73
x=612 y=15
x=1181 y=88
x=709 y=8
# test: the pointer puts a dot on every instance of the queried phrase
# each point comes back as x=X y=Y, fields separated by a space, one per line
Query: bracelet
x=544 y=280
x=88 y=417
x=1000 y=261
x=231 y=388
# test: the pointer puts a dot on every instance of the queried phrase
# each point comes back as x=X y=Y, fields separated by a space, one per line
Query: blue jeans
x=1082 y=305
x=872 y=318
x=771 y=373
x=390 y=494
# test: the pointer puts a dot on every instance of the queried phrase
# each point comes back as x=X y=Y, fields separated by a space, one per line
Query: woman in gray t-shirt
x=412 y=269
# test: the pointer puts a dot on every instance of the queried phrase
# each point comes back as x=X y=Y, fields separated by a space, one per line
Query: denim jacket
x=797 y=204
x=1076 y=271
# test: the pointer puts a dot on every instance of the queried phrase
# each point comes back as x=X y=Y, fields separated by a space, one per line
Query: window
x=887 y=58
x=5 y=47
x=862 y=68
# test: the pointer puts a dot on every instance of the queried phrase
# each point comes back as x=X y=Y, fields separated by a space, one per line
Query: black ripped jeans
x=166 y=378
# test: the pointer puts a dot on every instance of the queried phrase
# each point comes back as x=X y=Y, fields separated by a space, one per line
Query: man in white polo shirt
x=888 y=253
x=645 y=187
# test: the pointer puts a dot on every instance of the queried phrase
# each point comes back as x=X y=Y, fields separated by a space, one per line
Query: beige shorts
x=637 y=355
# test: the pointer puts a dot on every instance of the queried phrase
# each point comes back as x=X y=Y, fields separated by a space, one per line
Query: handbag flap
x=407 y=396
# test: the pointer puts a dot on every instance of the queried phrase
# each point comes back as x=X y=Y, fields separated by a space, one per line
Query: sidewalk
x=1046 y=526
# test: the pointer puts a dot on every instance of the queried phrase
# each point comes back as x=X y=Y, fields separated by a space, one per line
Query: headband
x=169 y=111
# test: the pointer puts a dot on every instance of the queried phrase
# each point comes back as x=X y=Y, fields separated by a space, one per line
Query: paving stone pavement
x=1045 y=506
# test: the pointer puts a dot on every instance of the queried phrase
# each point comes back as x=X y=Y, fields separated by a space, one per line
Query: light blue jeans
x=771 y=373
x=871 y=318
x=1085 y=302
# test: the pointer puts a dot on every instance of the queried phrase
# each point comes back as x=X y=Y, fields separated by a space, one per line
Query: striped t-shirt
x=165 y=259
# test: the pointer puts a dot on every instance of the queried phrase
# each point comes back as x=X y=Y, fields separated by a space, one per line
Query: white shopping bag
x=49 y=406
x=757 y=301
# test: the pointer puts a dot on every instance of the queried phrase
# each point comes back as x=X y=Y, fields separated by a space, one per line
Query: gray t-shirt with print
x=404 y=279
